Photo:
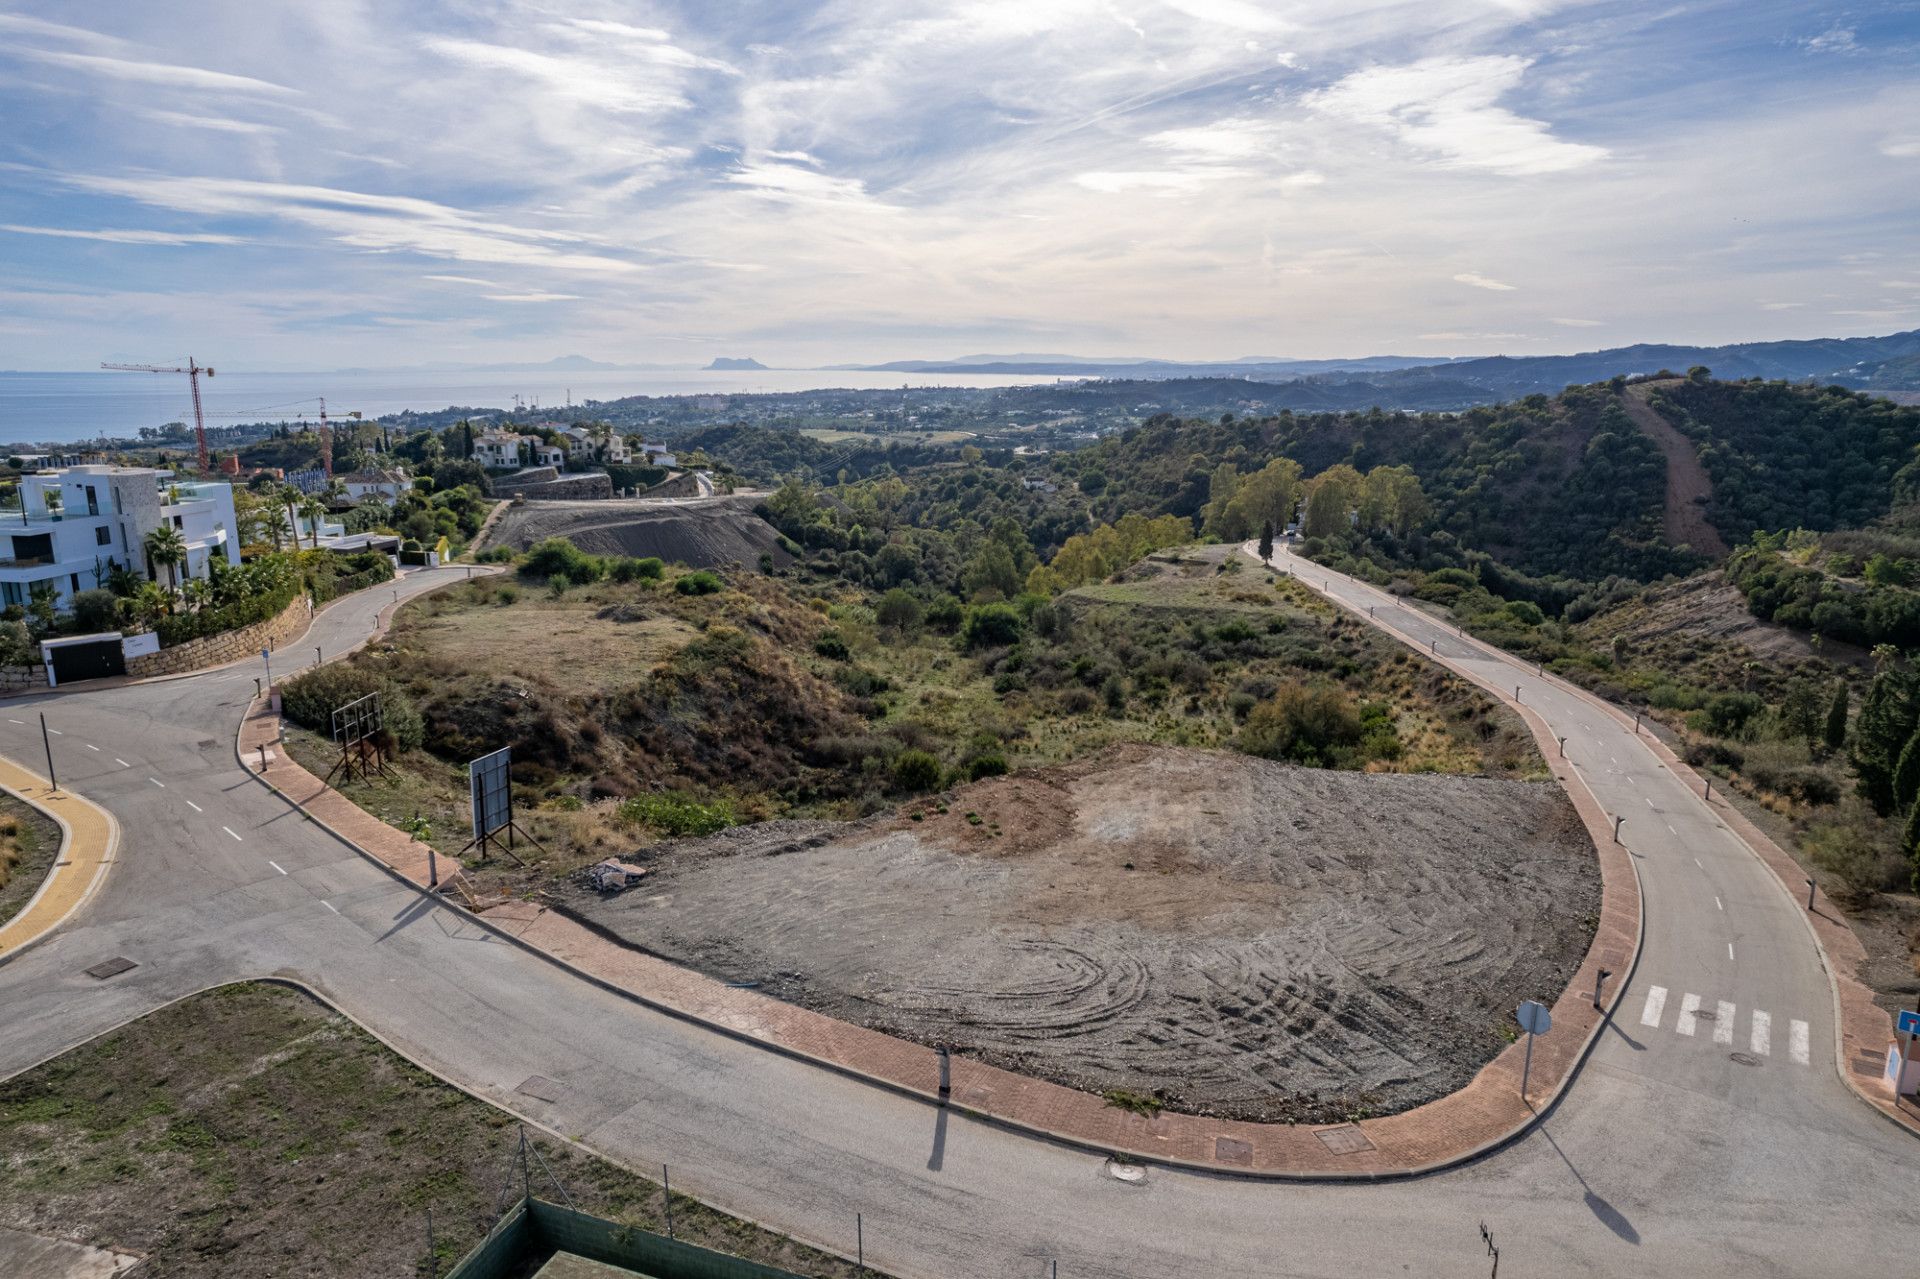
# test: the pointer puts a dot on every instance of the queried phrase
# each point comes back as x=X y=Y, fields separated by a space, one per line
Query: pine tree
x=1906 y=773
x=1837 y=718
x=1266 y=542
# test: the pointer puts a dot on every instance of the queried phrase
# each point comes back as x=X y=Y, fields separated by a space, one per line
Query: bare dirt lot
x=701 y=533
x=1229 y=935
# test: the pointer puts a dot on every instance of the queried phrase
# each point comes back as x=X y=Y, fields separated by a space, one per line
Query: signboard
x=1909 y=1023
x=357 y=720
x=489 y=786
x=1534 y=1018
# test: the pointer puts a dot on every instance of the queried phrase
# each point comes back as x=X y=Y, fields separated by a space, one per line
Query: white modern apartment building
x=74 y=524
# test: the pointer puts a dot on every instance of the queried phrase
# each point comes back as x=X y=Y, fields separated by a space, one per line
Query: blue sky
x=338 y=183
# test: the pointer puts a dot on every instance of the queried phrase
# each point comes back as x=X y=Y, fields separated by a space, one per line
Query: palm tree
x=165 y=546
x=314 y=509
x=290 y=498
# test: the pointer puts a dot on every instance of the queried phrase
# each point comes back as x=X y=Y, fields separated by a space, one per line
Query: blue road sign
x=1910 y=1023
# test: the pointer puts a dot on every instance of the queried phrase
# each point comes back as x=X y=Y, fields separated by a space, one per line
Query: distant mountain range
x=1890 y=363
x=734 y=364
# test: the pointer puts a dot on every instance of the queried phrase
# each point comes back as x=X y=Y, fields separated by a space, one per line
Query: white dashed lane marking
x=229 y=831
x=1761 y=1042
x=1797 y=1043
x=277 y=866
x=330 y=906
x=157 y=782
x=195 y=807
x=90 y=746
x=123 y=763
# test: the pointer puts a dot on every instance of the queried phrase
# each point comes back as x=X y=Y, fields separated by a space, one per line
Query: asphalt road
x=1667 y=1157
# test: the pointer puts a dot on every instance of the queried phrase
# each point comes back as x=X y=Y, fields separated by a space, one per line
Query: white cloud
x=1901 y=148
x=1781 y=306
x=1835 y=39
x=123 y=237
x=1568 y=322
x=1447 y=107
x=377 y=223
x=1470 y=337
x=532 y=297
x=217 y=124
x=786 y=182
x=1482 y=282
x=166 y=74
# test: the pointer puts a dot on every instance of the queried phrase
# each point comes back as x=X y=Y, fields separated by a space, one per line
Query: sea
x=59 y=408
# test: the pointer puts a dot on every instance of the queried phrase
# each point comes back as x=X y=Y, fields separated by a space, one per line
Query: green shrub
x=1307 y=725
x=629 y=569
x=915 y=771
x=95 y=610
x=309 y=700
x=993 y=626
x=945 y=614
x=986 y=766
x=700 y=583
x=832 y=647
x=675 y=815
x=556 y=557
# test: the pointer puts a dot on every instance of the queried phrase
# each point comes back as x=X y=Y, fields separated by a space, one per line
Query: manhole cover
x=1345 y=1139
x=541 y=1087
x=1132 y=1174
x=1229 y=1151
x=1745 y=1059
x=111 y=968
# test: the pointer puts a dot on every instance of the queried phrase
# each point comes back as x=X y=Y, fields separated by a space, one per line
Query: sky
x=336 y=184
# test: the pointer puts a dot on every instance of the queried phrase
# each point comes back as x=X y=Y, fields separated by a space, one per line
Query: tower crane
x=193 y=372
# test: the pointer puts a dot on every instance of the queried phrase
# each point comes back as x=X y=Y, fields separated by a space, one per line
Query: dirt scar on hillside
x=1242 y=938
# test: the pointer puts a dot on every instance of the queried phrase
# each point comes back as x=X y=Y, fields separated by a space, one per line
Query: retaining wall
x=15 y=678
x=215 y=650
x=591 y=485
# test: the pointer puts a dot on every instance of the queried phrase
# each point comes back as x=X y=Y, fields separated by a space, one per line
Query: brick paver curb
x=1481 y=1117
x=1866 y=1030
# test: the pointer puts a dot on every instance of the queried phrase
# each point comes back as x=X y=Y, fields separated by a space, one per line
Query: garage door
x=87 y=661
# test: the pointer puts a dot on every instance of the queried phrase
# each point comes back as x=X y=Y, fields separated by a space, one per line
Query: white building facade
x=75 y=524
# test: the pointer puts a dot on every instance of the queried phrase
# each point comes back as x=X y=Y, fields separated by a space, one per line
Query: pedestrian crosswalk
x=1720 y=1024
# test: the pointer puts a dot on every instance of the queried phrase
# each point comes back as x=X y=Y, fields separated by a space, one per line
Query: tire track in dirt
x=1689 y=488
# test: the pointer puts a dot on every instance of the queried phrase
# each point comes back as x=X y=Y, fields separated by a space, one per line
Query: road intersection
x=1667 y=1157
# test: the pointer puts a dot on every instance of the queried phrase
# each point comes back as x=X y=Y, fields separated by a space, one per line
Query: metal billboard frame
x=357 y=726
x=490 y=792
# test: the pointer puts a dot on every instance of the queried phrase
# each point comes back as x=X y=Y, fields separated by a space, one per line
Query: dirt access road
x=1689 y=488
x=1231 y=935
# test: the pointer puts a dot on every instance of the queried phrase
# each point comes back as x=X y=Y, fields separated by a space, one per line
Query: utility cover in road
x=1534 y=1018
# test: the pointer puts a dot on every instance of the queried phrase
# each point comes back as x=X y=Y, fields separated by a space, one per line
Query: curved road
x=1666 y=1158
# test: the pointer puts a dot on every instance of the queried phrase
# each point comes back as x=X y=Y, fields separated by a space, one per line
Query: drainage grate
x=541 y=1087
x=1344 y=1139
x=1745 y=1059
x=111 y=968
x=1229 y=1151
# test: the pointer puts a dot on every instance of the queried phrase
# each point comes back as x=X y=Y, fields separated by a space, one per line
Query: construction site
x=1208 y=932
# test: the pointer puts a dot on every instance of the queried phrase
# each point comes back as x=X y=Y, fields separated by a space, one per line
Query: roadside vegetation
x=252 y=1131
x=29 y=844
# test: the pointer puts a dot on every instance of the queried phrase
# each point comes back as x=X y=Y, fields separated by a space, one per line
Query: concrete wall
x=214 y=650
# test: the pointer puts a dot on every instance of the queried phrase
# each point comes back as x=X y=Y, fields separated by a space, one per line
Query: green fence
x=534 y=1230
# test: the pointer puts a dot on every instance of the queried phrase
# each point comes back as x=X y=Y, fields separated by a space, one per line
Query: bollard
x=1636 y=723
x=666 y=1197
x=1810 y=891
x=1599 y=983
x=256 y=687
x=859 y=1242
x=1516 y=692
x=316 y=655
x=1563 y=748
x=1706 y=790
x=1616 y=828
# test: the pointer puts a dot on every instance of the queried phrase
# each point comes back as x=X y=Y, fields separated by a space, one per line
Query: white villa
x=72 y=522
x=499 y=450
x=376 y=483
x=584 y=445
